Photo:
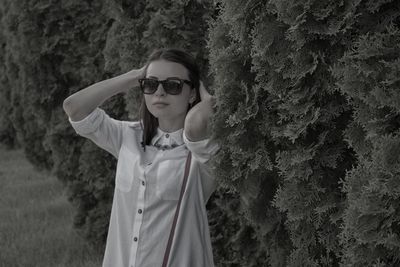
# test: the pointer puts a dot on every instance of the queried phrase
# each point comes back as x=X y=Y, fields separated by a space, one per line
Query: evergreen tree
x=282 y=145
x=7 y=131
x=54 y=50
x=368 y=74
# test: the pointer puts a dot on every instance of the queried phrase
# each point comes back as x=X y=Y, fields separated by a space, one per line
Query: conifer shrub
x=54 y=50
x=7 y=131
x=282 y=141
x=368 y=74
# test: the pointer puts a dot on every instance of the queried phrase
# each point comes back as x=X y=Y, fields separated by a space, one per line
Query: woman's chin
x=156 y=114
x=164 y=115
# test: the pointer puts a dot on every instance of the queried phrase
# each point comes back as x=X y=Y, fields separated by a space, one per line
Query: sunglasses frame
x=181 y=82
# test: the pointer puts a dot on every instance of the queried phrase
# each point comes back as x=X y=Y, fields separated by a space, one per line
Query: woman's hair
x=149 y=123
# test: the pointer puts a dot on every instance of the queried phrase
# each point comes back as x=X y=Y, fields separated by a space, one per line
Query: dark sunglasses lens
x=149 y=86
x=172 y=87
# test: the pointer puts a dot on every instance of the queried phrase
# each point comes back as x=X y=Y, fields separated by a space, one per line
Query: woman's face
x=175 y=107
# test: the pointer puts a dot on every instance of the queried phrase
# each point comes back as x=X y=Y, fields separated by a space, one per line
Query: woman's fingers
x=204 y=95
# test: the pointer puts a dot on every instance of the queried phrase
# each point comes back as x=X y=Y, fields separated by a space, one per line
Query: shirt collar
x=168 y=139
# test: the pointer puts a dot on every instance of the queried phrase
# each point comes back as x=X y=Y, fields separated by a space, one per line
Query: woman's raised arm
x=197 y=120
x=82 y=103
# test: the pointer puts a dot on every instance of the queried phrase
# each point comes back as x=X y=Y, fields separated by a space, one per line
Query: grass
x=36 y=219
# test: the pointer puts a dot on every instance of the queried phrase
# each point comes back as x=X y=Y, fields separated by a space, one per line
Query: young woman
x=152 y=155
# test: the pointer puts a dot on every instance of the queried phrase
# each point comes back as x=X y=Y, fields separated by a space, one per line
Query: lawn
x=36 y=219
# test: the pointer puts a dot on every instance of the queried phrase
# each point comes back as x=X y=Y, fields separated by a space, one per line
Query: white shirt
x=146 y=194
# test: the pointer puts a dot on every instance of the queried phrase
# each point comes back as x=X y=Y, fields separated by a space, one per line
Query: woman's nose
x=160 y=90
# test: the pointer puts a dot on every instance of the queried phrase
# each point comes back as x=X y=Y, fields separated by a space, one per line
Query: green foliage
x=7 y=131
x=368 y=73
x=279 y=56
x=53 y=51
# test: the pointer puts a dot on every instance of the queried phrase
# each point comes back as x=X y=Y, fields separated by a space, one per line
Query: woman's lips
x=160 y=104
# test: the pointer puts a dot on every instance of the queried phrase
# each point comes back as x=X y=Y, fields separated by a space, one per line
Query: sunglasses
x=172 y=86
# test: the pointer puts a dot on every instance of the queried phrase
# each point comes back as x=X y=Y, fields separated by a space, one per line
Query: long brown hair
x=149 y=123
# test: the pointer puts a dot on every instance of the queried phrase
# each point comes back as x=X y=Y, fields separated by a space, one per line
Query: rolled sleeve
x=104 y=131
x=88 y=124
x=202 y=150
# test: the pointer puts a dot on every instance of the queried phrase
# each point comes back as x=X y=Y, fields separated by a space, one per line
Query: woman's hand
x=135 y=74
x=197 y=119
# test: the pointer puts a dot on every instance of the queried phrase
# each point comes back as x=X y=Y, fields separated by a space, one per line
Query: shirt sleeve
x=104 y=131
x=202 y=150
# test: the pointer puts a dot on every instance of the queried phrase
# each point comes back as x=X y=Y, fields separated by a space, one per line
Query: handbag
x=171 y=234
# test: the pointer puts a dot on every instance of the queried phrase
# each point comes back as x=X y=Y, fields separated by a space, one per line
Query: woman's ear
x=192 y=96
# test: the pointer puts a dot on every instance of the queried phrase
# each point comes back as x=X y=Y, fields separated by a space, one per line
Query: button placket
x=138 y=219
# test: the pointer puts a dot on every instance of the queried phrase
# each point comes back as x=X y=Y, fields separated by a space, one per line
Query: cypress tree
x=368 y=75
x=7 y=131
x=281 y=122
x=53 y=51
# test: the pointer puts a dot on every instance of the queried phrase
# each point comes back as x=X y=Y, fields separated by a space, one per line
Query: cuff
x=90 y=123
x=202 y=150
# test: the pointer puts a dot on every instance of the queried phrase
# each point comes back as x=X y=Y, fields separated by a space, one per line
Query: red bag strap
x=171 y=234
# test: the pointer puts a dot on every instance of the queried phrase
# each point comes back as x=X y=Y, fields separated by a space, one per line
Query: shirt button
x=140 y=211
x=135 y=239
x=142 y=182
x=167 y=135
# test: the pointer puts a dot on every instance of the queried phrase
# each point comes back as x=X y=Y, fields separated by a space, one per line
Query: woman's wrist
x=128 y=81
x=132 y=78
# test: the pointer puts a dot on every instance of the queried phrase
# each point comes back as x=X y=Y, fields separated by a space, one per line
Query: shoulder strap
x=171 y=234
